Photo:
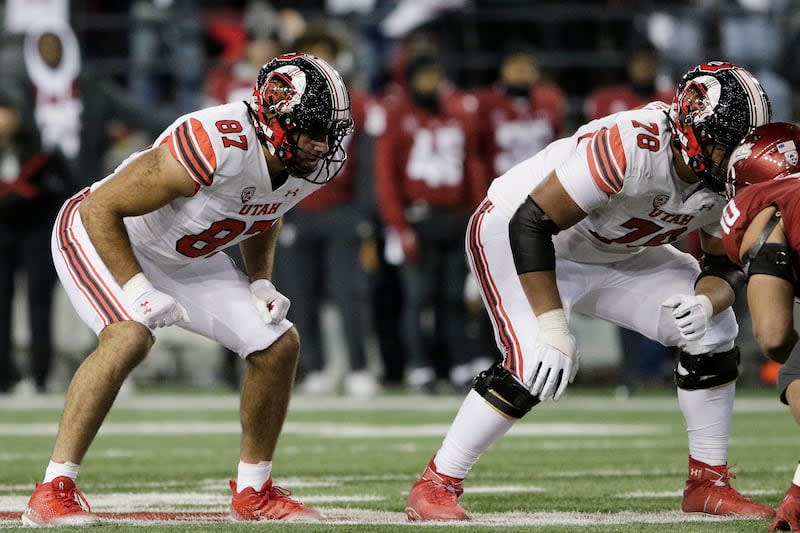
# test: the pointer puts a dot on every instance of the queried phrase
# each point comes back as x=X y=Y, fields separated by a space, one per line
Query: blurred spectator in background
x=520 y=114
x=32 y=187
x=322 y=239
x=644 y=84
x=232 y=80
x=166 y=40
x=72 y=106
x=428 y=177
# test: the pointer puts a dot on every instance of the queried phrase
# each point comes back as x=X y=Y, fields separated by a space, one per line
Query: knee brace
x=706 y=371
x=498 y=387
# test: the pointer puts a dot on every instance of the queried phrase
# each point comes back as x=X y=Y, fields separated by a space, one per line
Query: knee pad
x=790 y=371
x=502 y=390
x=706 y=371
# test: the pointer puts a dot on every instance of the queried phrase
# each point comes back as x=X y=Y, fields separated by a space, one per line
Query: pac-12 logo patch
x=660 y=200
x=247 y=194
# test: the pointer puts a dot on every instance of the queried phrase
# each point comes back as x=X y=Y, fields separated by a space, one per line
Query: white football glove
x=272 y=306
x=691 y=314
x=155 y=309
x=556 y=358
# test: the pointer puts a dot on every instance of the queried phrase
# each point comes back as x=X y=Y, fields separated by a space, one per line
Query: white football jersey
x=233 y=198
x=619 y=170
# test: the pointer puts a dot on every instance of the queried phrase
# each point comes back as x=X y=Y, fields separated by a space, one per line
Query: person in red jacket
x=761 y=232
x=521 y=114
x=428 y=178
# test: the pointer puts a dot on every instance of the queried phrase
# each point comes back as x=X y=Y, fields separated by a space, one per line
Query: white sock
x=253 y=475
x=54 y=470
x=708 y=414
x=796 y=479
x=476 y=427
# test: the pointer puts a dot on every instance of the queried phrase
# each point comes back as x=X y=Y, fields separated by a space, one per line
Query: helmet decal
x=284 y=88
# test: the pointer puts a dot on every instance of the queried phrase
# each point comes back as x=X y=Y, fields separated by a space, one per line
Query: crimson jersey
x=739 y=212
x=607 y=100
x=428 y=158
x=513 y=129
x=234 y=196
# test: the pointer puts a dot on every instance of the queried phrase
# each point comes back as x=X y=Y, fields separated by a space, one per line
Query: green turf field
x=587 y=463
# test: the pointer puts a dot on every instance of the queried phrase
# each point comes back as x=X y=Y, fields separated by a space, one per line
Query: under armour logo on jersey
x=291 y=192
x=706 y=207
x=247 y=194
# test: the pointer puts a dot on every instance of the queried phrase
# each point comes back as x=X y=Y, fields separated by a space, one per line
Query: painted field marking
x=336 y=430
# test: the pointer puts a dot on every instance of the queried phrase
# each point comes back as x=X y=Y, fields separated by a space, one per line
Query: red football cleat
x=788 y=515
x=434 y=496
x=270 y=503
x=58 y=503
x=708 y=490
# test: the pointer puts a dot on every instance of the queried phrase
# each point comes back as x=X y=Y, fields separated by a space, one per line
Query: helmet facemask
x=296 y=95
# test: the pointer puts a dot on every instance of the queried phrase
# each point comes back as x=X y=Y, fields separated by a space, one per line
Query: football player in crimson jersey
x=586 y=226
x=140 y=250
x=761 y=232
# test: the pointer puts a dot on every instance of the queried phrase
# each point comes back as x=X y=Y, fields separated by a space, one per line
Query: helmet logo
x=284 y=88
x=789 y=151
x=742 y=151
x=700 y=99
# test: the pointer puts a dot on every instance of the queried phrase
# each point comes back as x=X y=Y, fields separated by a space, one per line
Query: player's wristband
x=136 y=286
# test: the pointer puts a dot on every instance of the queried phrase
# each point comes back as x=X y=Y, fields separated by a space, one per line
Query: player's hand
x=691 y=314
x=788 y=516
x=272 y=306
x=155 y=309
x=556 y=359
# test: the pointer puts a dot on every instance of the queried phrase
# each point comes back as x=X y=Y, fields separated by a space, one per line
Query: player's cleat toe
x=58 y=503
x=269 y=503
x=435 y=497
x=708 y=490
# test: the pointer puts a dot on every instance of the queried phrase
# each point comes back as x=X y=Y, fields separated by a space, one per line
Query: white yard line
x=337 y=430
x=411 y=402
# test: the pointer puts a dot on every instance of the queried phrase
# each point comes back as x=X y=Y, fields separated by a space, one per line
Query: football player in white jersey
x=586 y=226
x=141 y=250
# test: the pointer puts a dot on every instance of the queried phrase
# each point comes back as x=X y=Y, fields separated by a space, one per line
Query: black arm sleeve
x=531 y=233
x=722 y=267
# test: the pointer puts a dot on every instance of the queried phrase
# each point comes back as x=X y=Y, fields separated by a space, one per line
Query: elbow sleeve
x=531 y=233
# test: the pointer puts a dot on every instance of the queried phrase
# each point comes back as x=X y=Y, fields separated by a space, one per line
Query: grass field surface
x=587 y=463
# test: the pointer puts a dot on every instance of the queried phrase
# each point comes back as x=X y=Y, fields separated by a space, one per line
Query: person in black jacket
x=33 y=185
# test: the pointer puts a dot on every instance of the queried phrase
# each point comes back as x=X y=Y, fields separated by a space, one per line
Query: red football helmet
x=768 y=152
